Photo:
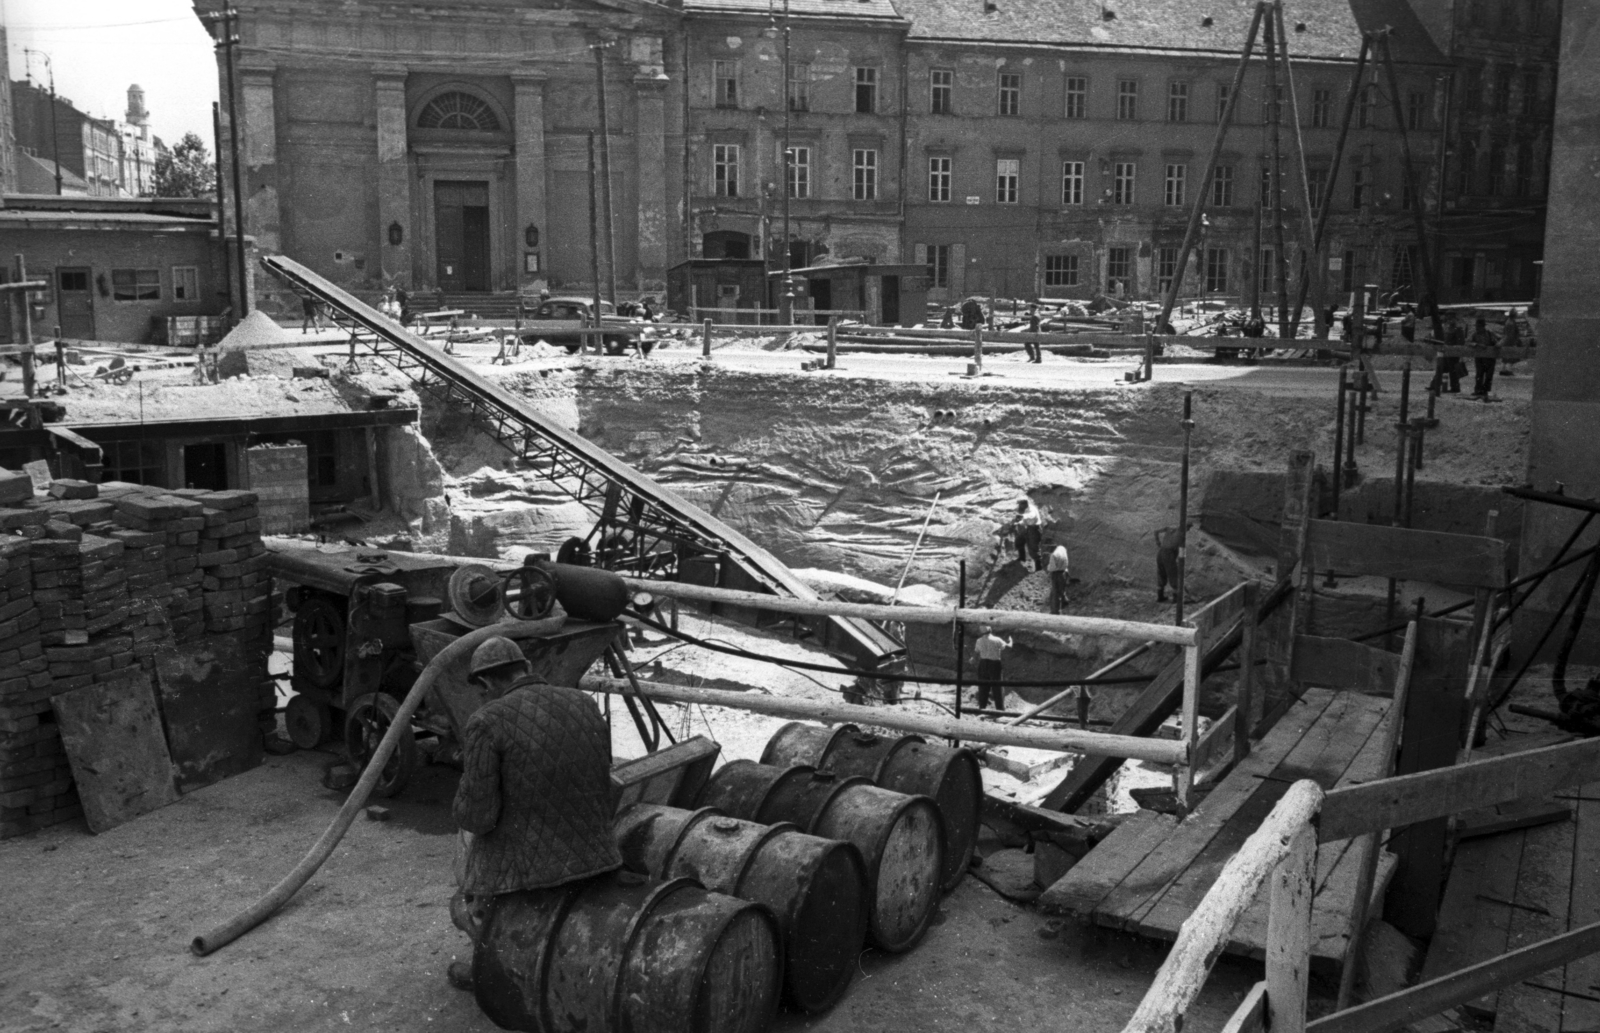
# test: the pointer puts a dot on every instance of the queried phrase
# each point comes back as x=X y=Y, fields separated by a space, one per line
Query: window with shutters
x=1061 y=270
x=1072 y=182
x=938 y=178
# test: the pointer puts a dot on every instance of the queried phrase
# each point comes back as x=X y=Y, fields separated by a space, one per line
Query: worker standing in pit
x=1057 y=566
x=1027 y=531
x=991 y=650
x=535 y=800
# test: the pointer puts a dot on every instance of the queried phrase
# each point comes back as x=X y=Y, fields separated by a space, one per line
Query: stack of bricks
x=95 y=583
x=35 y=779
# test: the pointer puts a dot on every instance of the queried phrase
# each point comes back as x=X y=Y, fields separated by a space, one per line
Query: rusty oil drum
x=817 y=888
x=905 y=764
x=901 y=837
x=621 y=954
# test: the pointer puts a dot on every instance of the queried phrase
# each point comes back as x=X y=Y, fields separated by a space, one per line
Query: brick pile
x=96 y=582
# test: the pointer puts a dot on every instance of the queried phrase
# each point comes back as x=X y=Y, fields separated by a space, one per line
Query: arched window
x=458 y=110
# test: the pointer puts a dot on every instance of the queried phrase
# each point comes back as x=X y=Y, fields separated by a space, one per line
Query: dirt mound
x=256 y=330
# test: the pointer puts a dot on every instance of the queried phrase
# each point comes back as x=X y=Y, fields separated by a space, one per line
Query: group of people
x=1450 y=369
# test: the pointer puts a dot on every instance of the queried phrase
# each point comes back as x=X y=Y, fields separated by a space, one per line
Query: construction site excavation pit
x=880 y=480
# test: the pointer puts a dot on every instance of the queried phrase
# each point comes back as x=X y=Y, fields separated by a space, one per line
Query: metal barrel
x=901 y=837
x=816 y=887
x=906 y=764
x=620 y=953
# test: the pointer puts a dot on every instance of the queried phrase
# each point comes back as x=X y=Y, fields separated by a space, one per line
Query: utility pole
x=594 y=250
x=229 y=41
x=222 y=229
x=786 y=295
x=605 y=177
x=55 y=135
x=1281 y=262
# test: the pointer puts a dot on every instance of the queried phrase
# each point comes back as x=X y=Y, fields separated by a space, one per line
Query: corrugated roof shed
x=1332 y=28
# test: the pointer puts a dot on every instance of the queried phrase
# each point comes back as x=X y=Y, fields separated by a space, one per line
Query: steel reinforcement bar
x=642 y=526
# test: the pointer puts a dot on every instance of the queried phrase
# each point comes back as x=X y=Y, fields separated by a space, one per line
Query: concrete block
x=15 y=487
x=66 y=488
x=19 y=519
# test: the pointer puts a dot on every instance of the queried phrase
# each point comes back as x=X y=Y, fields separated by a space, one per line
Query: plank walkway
x=1152 y=872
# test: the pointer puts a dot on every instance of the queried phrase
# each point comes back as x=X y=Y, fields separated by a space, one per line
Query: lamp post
x=55 y=137
x=229 y=21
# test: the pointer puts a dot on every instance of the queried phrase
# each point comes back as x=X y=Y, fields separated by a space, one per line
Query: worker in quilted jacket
x=535 y=793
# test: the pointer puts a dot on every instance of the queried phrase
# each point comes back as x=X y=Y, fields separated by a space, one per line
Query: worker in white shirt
x=1057 y=566
x=990 y=649
x=1027 y=529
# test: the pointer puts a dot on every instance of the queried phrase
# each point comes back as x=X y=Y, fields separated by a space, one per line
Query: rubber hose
x=279 y=895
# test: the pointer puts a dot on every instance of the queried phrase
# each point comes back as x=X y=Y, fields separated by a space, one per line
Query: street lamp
x=55 y=138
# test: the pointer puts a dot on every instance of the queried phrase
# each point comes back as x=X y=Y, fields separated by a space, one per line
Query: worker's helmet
x=494 y=654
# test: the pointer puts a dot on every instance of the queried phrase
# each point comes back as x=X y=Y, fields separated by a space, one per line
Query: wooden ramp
x=1149 y=875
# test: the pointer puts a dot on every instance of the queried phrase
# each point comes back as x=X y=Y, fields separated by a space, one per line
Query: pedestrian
x=535 y=800
x=1031 y=345
x=1027 y=532
x=971 y=314
x=1455 y=367
x=1058 y=567
x=1408 y=327
x=1510 y=337
x=948 y=321
x=402 y=298
x=310 y=314
x=647 y=310
x=991 y=650
x=1482 y=342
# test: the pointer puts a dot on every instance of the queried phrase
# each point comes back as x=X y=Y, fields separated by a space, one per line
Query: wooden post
x=1272 y=45
x=1149 y=371
x=1183 y=506
x=977 y=347
x=1289 y=934
x=1183 y=776
x=594 y=246
x=1338 y=438
x=1247 y=711
x=705 y=339
x=25 y=330
x=833 y=341
x=1298 y=487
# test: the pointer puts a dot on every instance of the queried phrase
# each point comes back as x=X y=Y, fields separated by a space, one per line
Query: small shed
x=883 y=295
x=718 y=289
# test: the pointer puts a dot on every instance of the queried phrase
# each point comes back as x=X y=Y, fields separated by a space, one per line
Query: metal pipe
x=1554 y=498
x=1338 y=442
x=960 y=633
x=252 y=916
x=1350 y=439
x=605 y=183
x=1549 y=630
x=594 y=244
x=1183 y=504
x=1281 y=264
x=222 y=228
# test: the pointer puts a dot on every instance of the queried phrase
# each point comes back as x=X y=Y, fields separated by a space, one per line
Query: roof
x=22 y=219
x=871 y=10
x=1332 y=27
x=39 y=174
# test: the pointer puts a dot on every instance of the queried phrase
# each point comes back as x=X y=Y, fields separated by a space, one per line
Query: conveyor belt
x=641 y=526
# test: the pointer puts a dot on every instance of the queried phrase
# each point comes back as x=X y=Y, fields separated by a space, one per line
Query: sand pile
x=256 y=330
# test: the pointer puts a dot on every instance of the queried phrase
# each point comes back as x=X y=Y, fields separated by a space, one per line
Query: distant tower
x=137 y=115
x=138 y=152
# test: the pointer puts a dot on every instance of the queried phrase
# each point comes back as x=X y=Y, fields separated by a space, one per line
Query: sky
x=101 y=47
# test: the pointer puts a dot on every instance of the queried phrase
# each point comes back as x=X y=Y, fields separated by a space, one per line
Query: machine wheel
x=365 y=725
x=616 y=345
x=309 y=724
x=319 y=642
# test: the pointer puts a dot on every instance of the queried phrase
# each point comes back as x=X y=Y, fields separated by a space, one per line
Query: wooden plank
x=673 y=776
x=1433 y=720
x=210 y=702
x=1251 y=1015
x=1520 y=744
x=1583 y=974
x=1143 y=717
x=1217 y=740
x=1174 y=854
x=1475 y=919
x=1217 y=618
x=1409 y=799
x=1508 y=817
x=112 y=734
x=1407 y=554
x=1183 y=777
x=1299 y=482
x=1080 y=891
x=1339 y=663
x=1322 y=755
x=1394 y=1012
x=1543 y=886
x=1288 y=960
x=1247 y=711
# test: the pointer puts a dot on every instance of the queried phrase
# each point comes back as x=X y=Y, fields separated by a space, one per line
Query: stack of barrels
x=767 y=890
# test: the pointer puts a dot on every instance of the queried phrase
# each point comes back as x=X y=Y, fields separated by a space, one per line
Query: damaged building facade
x=1018 y=148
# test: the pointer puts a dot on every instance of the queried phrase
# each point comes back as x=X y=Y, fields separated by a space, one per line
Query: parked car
x=556 y=319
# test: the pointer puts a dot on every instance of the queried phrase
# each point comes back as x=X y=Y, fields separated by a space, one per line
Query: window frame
x=1062 y=270
x=866 y=79
x=1222 y=179
x=140 y=285
x=186 y=276
x=799 y=185
x=1224 y=94
x=726 y=157
x=938 y=89
x=1174 y=184
x=725 y=83
x=1532 y=84
x=1127 y=100
x=797 y=88
x=1008 y=87
x=1321 y=107
x=1178 y=100
x=1215 y=270
x=1072 y=178
x=1007 y=180
x=1360 y=186
x=1075 y=97
x=938 y=265
x=1124 y=174
x=940 y=175
x=1119 y=256
x=864 y=173
x=1166 y=268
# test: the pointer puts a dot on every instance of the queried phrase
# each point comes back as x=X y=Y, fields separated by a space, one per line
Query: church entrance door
x=461 y=234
